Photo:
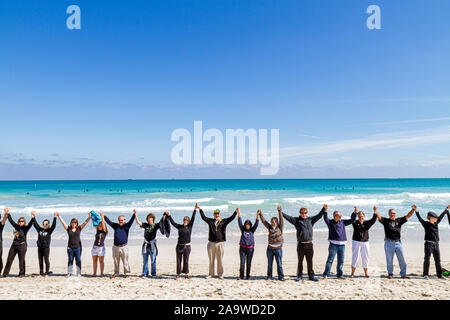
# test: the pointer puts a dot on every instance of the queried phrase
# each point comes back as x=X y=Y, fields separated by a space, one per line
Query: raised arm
x=137 y=219
x=53 y=226
x=103 y=222
x=325 y=218
x=130 y=222
x=62 y=221
x=375 y=211
x=263 y=220
x=371 y=221
x=420 y=218
x=410 y=213
x=176 y=225
x=352 y=218
x=443 y=214
x=241 y=227
x=36 y=225
x=255 y=225
x=280 y=218
x=191 y=223
x=318 y=216
x=31 y=222
x=87 y=220
x=13 y=223
x=204 y=218
x=230 y=218
x=288 y=218
x=5 y=216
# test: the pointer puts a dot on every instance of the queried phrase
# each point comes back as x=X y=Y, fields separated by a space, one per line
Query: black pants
x=43 y=254
x=246 y=255
x=1 y=257
x=305 y=250
x=432 y=248
x=183 y=260
x=21 y=250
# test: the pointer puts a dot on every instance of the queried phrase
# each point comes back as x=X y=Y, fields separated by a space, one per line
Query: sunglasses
x=21 y=221
x=303 y=212
x=45 y=224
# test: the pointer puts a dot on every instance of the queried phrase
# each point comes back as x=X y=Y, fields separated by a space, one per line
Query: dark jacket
x=20 y=233
x=361 y=230
x=120 y=232
x=304 y=227
x=184 y=232
x=247 y=236
x=44 y=235
x=275 y=234
x=336 y=230
x=431 y=229
x=217 y=233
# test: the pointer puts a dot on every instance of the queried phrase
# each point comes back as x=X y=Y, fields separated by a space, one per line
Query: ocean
x=120 y=197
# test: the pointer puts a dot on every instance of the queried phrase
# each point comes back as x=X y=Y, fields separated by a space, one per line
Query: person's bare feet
x=127 y=276
x=113 y=276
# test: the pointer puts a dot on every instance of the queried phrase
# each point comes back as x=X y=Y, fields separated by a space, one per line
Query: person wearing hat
x=216 y=240
x=432 y=241
x=392 y=242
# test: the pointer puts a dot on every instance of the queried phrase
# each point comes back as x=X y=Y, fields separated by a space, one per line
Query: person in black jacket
x=304 y=226
x=43 y=243
x=2 y=225
x=432 y=241
x=360 y=241
x=19 y=244
x=183 y=247
x=216 y=238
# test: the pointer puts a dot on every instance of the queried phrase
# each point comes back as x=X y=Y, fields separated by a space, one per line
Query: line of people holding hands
x=216 y=241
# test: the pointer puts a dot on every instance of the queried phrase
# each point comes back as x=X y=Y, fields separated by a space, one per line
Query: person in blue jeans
x=74 y=243
x=275 y=245
x=149 y=248
x=246 y=244
x=337 y=238
x=392 y=241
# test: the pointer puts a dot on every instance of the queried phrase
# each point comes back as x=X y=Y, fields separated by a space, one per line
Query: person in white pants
x=360 y=242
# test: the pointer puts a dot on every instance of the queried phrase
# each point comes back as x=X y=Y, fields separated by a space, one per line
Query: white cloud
x=380 y=141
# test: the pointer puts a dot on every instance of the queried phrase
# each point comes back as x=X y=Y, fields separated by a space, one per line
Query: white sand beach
x=166 y=287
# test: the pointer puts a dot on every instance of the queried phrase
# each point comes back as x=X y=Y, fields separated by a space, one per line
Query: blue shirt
x=120 y=232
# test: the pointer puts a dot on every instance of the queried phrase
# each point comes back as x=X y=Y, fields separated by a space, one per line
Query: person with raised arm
x=337 y=239
x=2 y=225
x=19 y=244
x=432 y=241
x=120 y=246
x=183 y=247
x=43 y=243
x=392 y=241
x=360 y=242
x=74 y=243
x=304 y=226
x=98 y=249
x=216 y=240
x=275 y=243
x=246 y=244
x=149 y=248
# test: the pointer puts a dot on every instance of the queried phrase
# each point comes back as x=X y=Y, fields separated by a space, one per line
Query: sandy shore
x=165 y=287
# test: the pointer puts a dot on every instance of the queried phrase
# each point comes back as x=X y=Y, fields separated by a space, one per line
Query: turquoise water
x=116 y=197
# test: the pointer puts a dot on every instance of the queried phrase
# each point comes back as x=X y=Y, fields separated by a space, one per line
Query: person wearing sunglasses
x=43 y=242
x=392 y=242
x=183 y=247
x=19 y=244
x=216 y=240
x=304 y=226
x=2 y=225
x=74 y=243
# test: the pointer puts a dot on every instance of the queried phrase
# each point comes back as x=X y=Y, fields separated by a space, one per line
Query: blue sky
x=102 y=102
